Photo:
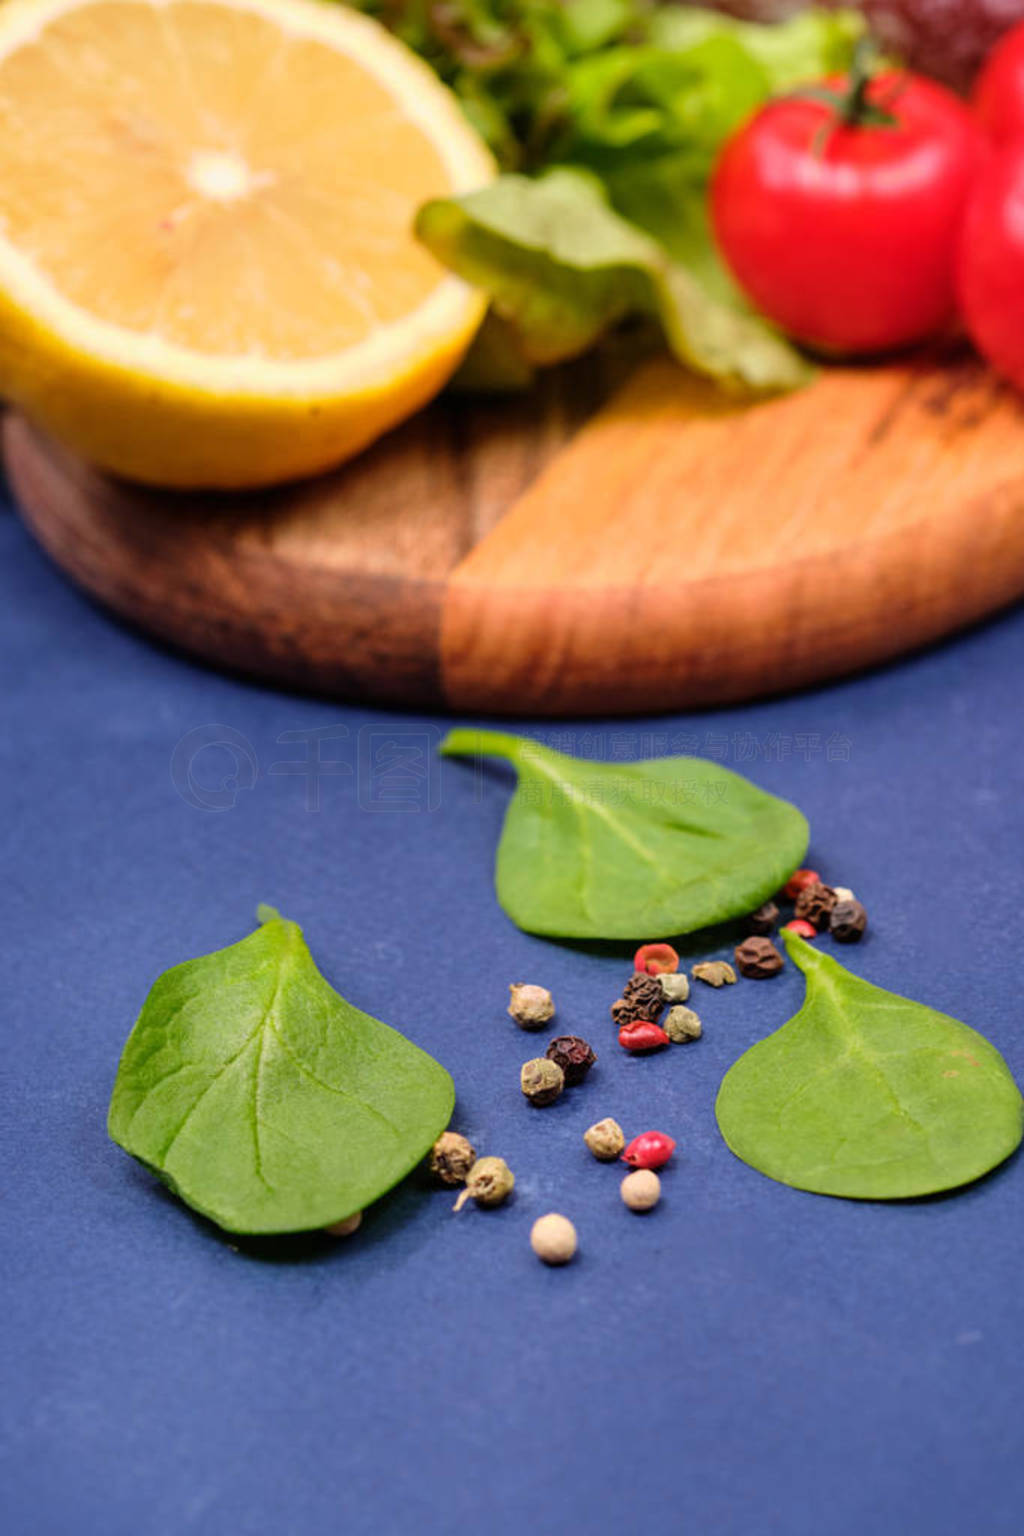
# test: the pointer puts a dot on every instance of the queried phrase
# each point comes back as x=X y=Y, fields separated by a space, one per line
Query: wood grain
x=546 y=556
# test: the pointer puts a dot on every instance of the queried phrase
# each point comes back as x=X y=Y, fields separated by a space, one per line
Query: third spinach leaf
x=867 y=1094
x=646 y=850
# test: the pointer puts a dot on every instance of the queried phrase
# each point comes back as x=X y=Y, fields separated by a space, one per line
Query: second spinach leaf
x=633 y=850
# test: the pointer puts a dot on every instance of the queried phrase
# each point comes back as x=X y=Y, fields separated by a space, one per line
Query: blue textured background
x=748 y=1359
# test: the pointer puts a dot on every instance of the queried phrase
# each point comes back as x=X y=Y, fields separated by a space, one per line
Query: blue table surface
x=747 y=1359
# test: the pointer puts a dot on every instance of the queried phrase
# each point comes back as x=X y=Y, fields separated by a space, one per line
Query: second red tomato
x=842 y=232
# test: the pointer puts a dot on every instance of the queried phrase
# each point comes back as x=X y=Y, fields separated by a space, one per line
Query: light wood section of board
x=682 y=550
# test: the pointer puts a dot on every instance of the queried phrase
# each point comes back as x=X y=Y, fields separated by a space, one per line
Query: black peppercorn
x=815 y=903
x=761 y=922
x=573 y=1055
x=758 y=958
x=643 y=997
x=848 y=922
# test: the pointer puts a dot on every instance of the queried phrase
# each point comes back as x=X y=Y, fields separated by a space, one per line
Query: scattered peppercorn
x=843 y=893
x=641 y=1190
x=451 y=1158
x=642 y=1035
x=656 y=959
x=801 y=926
x=815 y=903
x=651 y=1149
x=490 y=1181
x=605 y=1140
x=762 y=922
x=682 y=1025
x=797 y=880
x=530 y=1006
x=848 y=922
x=347 y=1227
x=573 y=1055
x=758 y=958
x=642 y=998
x=717 y=973
x=553 y=1238
x=675 y=988
x=542 y=1081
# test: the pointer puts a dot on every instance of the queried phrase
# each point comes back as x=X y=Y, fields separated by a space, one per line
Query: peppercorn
x=347 y=1227
x=573 y=1055
x=848 y=922
x=490 y=1181
x=641 y=1190
x=797 y=880
x=642 y=1035
x=541 y=1081
x=656 y=959
x=553 y=1238
x=451 y=1158
x=605 y=1140
x=717 y=973
x=758 y=958
x=642 y=998
x=843 y=893
x=651 y=1149
x=815 y=903
x=762 y=922
x=682 y=1025
x=675 y=988
x=801 y=926
x=530 y=1006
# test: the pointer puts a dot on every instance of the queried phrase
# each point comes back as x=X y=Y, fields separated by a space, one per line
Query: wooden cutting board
x=559 y=555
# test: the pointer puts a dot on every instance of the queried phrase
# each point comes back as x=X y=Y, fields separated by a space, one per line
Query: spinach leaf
x=264 y=1099
x=632 y=850
x=867 y=1094
x=561 y=266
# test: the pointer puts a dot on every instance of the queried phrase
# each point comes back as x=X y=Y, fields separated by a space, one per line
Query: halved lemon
x=208 y=275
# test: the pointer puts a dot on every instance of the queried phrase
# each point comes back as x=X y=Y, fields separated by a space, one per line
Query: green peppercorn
x=717 y=973
x=605 y=1140
x=682 y=1025
x=542 y=1081
x=490 y=1181
x=675 y=986
x=451 y=1158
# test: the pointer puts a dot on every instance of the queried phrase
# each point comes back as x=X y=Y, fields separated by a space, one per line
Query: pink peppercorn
x=656 y=959
x=797 y=880
x=652 y=1149
x=801 y=926
x=642 y=1036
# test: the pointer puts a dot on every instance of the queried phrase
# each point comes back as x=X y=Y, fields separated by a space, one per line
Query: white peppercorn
x=347 y=1227
x=553 y=1238
x=641 y=1190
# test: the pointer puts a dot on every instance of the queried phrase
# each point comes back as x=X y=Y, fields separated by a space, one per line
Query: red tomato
x=845 y=235
x=990 y=269
x=999 y=90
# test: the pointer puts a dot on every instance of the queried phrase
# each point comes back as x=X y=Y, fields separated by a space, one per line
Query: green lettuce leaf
x=562 y=267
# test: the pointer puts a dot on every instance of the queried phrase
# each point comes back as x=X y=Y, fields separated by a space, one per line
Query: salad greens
x=632 y=850
x=642 y=97
x=562 y=266
x=264 y=1099
x=867 y=1094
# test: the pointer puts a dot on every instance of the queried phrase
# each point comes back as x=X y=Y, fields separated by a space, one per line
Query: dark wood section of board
x=553 y=554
